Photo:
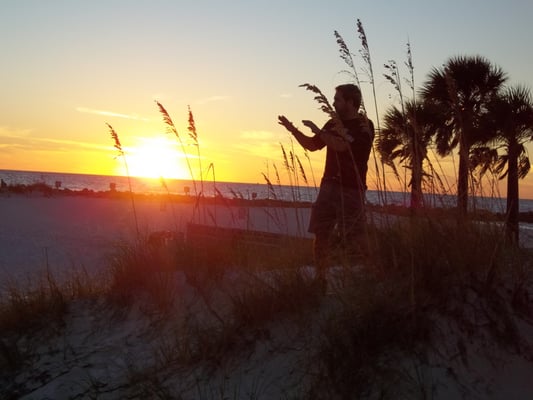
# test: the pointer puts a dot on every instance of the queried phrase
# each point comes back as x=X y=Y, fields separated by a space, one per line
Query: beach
x=99 y=351
x=65 y=234
x=81 y=231
x=74 y=231
x=69 y=231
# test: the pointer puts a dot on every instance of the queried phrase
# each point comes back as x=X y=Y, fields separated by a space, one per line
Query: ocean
x=99 y=183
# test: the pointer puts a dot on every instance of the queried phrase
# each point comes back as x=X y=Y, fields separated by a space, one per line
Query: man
x=338 y=214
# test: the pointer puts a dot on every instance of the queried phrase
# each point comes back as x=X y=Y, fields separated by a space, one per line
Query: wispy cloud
x=260 y=150
x=285 y=95
x=257 y=135
x=212 y=99
x=110 y=114
x=259 y=143
x=20 y=141
x=74 y=143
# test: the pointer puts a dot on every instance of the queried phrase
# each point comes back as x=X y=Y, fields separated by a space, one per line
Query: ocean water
x=99 y=183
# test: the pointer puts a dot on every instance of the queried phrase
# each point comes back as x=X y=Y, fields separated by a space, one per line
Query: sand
x=65 y=232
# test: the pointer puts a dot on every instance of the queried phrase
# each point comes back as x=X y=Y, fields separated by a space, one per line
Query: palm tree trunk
x=511 y=222
x=416 y=183
x=462 y=183
x=416 y=178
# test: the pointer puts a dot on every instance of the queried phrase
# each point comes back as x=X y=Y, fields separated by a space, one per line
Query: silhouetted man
x=338 y=214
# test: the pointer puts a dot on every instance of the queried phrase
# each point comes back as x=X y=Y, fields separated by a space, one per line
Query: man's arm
x=331 y=140
x=308 y=143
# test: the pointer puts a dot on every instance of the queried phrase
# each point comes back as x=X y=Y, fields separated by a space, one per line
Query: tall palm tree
x=510 y=116
x=405 y=137
x=463 y=87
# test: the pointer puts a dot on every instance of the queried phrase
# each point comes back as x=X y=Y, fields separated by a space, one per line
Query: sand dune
x=96 y=351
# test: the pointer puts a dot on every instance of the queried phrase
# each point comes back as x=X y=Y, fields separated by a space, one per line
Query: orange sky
x=71 y=67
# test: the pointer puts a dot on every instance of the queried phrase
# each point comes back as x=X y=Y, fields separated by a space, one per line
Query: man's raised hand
x=311 y=125
x=283 y=121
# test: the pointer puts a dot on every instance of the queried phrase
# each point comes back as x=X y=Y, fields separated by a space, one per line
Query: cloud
x=69 y=144
x=110 y=114
x=212 y=99
x=260 y=143
x=257 y=135
x=20 y=141
x=263 y=150
x=285 y=95
x=10 y=133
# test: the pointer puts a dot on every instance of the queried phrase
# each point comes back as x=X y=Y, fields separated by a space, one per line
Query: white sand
x=97 y=351
x=70 y=232
x=66 y=232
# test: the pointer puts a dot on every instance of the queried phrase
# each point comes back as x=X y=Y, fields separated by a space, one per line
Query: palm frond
x=524 y=165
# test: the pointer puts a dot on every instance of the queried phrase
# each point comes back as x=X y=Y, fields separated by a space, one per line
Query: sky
x=70 y=67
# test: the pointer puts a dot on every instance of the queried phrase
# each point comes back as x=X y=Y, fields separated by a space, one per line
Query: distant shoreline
x=42 y=189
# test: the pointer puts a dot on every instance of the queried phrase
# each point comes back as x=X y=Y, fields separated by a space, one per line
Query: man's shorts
x=337 y=206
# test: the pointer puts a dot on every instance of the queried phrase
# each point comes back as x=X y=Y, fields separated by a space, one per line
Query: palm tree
x=406 y=136
x=510 y=116
x=463 y=87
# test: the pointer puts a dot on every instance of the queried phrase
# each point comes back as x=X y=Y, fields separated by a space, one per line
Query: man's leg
x=321 y=249
x=354 y=235
x=321 y=225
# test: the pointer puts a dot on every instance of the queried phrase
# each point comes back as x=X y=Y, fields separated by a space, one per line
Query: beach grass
x=425 y=269
x=207 y=312
x=34 y=312
x=42 y=302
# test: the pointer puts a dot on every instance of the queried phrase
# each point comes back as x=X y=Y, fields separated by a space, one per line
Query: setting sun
x=156 y=157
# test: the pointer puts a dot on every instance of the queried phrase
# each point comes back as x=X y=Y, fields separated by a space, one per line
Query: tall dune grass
x=389 y=313
x=378 y=315
x=171 y=127
x=118 y=146
x=348 y=57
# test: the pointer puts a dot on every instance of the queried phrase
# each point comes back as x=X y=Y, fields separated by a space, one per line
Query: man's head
x=347 y=100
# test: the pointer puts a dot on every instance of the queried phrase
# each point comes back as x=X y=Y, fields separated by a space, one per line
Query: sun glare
x=155 y=158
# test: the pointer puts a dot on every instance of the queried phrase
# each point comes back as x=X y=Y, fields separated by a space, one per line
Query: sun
x=155 y=158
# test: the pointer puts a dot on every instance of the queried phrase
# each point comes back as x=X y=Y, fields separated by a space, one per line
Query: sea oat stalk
x=327 y=108
x=172 y=129
x=193 y=134
x=306 y=154
x=411 y=69
x=211 y=167
x=121 y=153
x=365 y=54
x=347 y=56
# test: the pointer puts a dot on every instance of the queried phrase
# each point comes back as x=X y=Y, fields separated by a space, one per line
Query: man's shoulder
x=360 y=126
x=330 y=123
